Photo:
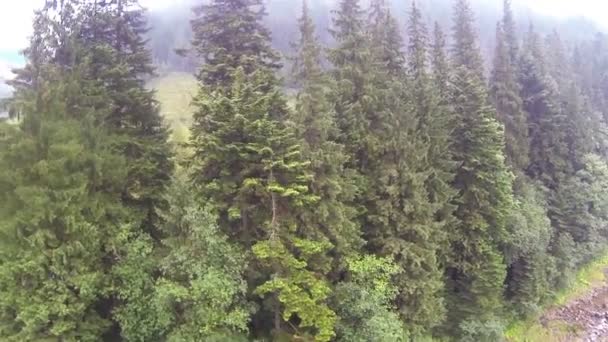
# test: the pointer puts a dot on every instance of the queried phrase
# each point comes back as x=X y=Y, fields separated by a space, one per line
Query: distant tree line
x=400 y=195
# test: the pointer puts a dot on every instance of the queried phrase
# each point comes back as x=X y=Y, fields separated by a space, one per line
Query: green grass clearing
x=175 y=91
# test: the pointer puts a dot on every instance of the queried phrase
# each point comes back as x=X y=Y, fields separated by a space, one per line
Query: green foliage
x=229 y=35
x=59 y=218
x=364 y=302
x=314 y=122
x=200 y=293
x=477 y=271
x=300 y=291
x=530 y=265
x=481 y=331
x=112 y=37
x=377 y=204
x=505 y=92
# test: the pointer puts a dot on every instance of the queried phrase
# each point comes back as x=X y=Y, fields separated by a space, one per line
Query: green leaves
x=300 y=291
x=56 y=229
x=200 y=293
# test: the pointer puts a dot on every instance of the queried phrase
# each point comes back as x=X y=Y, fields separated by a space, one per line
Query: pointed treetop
x=418 y=40
x=510 y=31
x=465 y=48
x=307 y=62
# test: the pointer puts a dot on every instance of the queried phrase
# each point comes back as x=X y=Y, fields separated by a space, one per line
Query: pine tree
x=477 y=271
x=440 y=65
x=315 y=123
x=249 y=164
x=548 y=150
x=113 y=34
x=509 y=28
x=351 y=60
x=229 y=34
x=60 y=214
x=385 y=39
x=114 y=44
x=505 y=92
x=415 y=208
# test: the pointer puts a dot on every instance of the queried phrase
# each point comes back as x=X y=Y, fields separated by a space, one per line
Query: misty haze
x=304 y=170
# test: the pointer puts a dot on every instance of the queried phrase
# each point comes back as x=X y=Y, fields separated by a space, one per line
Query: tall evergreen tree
x=113 y=34
x=505 y=93
x=416 y=211
x=229 y=34
x=548 y=151
x=509 y=28
x=315 y=123
x=249 y=164
x=440 y=65
x=60 y=213
x=477 y=271
x=351 y=60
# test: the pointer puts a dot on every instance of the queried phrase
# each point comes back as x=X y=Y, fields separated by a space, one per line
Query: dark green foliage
x=314 y=122
x=351 y=59
x=531 y=267
x=548 y=151
x=249 y=163
x=477 y=270
x=229 y=34
x=60 y=215
x=200 y=293
x=113 y=42
x=440 y=66
x=90 y=59
x=364 y=302
x=376 y=204
x=505 y=92
x=235 y=154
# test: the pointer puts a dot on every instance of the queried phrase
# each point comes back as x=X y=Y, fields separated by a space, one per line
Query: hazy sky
x=16 y=15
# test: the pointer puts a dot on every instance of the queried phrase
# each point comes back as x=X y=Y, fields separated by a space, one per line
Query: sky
x=16 y=18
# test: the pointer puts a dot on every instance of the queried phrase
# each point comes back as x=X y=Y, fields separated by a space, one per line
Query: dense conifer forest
x=388 y=182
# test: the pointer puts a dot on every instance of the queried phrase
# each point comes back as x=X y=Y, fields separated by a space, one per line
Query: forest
x=388 y=182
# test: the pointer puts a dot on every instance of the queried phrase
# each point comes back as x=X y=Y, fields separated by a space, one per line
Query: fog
x=170 y=22
x=170 y=27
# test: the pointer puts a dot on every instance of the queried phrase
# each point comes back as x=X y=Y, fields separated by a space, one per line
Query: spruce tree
x=549 y=163
x=477 y=270
x=385 y=39
x=249 y=164
x=60 y=213
x=229 y=34
x=509 y=28
x=351 y=60
x=113 y=34
x=414 y=191
x=548 y=149
x=315 y=123
x=440 y=65
x=505 y=93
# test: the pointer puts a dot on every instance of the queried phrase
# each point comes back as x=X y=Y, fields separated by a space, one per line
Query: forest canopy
x=395 y=178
